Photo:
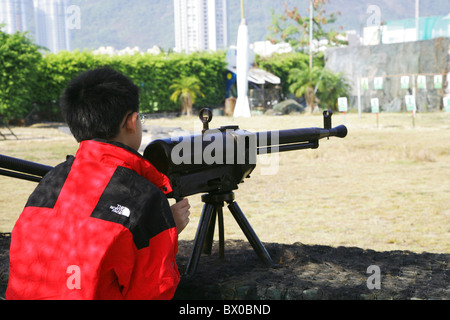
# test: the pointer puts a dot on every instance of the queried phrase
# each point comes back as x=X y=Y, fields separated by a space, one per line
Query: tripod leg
x=250 y=234
x=205 y=219
x=221 y=233
x=207 y=247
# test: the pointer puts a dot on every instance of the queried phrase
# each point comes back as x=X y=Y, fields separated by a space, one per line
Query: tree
x=330 y=87
x=19 y=63
x=303 y=82
x=292 y=27
x=282 y=64
x=186 y=91
x=318 y=85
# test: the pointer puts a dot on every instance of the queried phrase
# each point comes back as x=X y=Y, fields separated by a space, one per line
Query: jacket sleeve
x=155 y=274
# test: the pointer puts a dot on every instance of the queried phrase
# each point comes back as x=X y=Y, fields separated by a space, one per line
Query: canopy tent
x=258 y=76
x=264 y=87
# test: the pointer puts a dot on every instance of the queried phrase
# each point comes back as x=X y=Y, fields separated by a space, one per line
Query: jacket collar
x=118 y=154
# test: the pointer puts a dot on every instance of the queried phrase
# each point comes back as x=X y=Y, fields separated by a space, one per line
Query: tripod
x=212 y=209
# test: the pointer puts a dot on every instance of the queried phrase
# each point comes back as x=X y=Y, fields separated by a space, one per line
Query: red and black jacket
x=98 y=226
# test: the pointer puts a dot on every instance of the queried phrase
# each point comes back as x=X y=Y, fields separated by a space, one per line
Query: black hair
x=95 y=103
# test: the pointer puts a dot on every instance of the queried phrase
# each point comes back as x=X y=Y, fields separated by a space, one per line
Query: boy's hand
x=181 y=214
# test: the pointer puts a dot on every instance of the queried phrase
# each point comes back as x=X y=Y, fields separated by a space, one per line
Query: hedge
x=153 y=74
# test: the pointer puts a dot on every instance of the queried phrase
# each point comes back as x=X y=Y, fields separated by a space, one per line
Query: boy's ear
x=131 y=123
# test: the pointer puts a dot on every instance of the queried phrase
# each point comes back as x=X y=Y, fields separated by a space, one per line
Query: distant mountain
x=145 y=23
x=124 y=23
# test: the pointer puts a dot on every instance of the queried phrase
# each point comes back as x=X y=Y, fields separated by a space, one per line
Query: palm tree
x=303 y=82
x=318 y=85
x=330 y=87
x=186 y=90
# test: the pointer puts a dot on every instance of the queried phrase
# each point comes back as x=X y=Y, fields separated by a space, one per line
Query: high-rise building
x=51 y=29
x=200 y=25
x=15 y=14
x=46 y=20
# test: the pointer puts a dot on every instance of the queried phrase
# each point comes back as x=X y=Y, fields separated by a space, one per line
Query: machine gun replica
x=214 y=162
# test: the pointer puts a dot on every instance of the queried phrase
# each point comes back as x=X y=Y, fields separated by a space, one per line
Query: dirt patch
x=303 y=272
x=315 y=272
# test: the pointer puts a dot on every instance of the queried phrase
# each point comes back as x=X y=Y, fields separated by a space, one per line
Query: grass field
x=383 y=188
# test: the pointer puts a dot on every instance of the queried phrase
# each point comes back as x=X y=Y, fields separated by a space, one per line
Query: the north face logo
x=121 y=210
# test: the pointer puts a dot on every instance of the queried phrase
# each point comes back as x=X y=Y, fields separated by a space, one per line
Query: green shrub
x=19 y=63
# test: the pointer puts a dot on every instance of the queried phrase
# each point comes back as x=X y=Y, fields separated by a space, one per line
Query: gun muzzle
x=296 y=139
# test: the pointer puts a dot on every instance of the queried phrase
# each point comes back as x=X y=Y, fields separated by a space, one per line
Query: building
x=45 y=20
x=200 y=25
x=408 y=30
x=15 y=14
x=51 y=29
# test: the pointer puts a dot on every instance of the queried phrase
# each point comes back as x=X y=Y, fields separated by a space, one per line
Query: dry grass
x=385 y=188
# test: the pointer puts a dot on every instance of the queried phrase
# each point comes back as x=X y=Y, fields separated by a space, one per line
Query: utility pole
x=311 y=25
x=417 y=39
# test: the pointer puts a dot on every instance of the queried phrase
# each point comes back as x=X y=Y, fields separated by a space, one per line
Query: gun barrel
x=296 y=139
x=22 y=169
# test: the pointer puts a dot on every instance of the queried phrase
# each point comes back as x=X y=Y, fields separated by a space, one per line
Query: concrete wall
x=392 y=61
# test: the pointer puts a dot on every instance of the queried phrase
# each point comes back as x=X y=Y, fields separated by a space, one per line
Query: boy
x=99 y=225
